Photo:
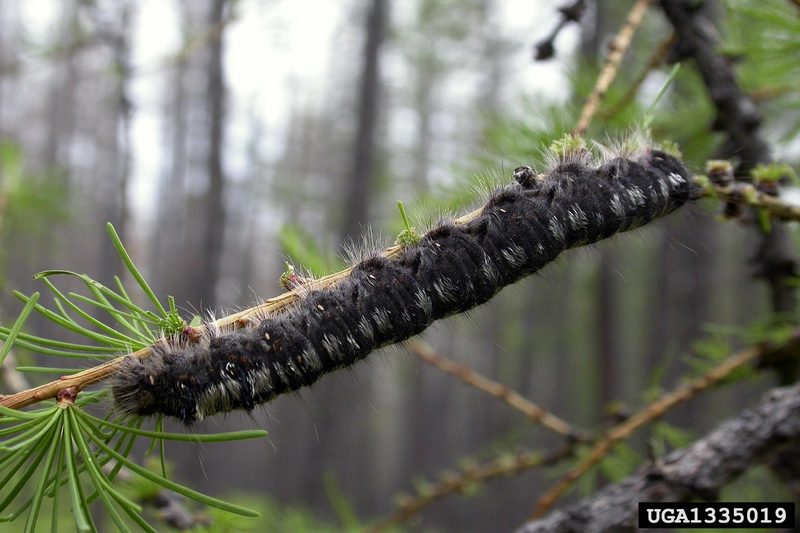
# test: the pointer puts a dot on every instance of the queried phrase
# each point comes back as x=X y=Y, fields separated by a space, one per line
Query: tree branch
x=698 y=471
x=748 y=195
x=658 y=56
x=618 y=47
x=653 y=411
x=738 y=116
x=479 y=474
x=545 y=49
x=237 y=320
x=505 y=394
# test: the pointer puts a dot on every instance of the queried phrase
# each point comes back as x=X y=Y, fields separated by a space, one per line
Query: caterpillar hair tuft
x=356 y=249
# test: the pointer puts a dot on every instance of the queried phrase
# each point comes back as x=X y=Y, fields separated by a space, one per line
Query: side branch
x=747 y=194
x=625 y=429
x=659 y=55
x=651 y=412
x=737 y=115
x=408 y=506
x=503 y=393
x=698 y=471
x=618 y=48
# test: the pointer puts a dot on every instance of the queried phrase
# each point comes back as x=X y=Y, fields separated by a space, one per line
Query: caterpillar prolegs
x=453 y=268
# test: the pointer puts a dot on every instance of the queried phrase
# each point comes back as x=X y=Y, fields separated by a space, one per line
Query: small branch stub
x=290 y=280
x=191 y=333
x=67 y=396
x=545 y=49
x=720 y=172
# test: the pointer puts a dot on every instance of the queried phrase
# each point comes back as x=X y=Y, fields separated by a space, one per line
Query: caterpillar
x=453 y=268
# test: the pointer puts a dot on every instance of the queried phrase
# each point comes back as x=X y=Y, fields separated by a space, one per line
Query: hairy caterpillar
x=522 y=227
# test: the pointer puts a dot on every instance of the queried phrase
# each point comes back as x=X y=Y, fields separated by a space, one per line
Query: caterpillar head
x=140 y=386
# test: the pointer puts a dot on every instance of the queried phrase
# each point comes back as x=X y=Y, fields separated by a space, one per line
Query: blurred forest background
x=223 y=136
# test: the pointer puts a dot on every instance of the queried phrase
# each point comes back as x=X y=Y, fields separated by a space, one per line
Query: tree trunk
x=214 y=202
x=120 y=159
x=61 y=102
x=358 y=188
x=608 y=355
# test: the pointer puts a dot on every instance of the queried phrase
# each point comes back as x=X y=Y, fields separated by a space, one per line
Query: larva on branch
x=522 y=227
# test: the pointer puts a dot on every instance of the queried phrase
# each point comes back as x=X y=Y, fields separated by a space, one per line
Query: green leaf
x=83 y=519
x=171 y=485
x=161 y=448
x=209 y=437
x=47 y=370
x=343 y=508
x=120 y=316
x=126 y=300
x=20 y=441
x=14 y=331
x=674 y=436
x=125 y=442
x=34 y=347
x=102 y=485
x=56 y=485
x=123 y=254
x=19 y=427
x=567 y=146
x=409 y=236
x=112 y=333
x=39 y=493
x=620 y=462
x=72 y=326
x=40 y=449
x=649 y=115
x=54 y=343
x=10 y=164
x=23 y=415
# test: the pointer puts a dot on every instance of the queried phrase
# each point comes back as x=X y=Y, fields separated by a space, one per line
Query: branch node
x=67 y=396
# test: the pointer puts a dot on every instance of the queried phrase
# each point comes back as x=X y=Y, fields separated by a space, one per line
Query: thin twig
x=455 y=483
x=510 y=397
x=658 y=56
x=545 y=48
x=619 y=432
x=747 y=194
x=645 y=416
x=609 y=71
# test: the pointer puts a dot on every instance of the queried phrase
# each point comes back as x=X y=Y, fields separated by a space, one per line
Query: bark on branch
x=698 y=471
